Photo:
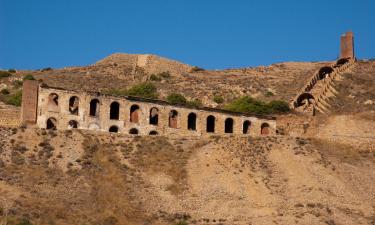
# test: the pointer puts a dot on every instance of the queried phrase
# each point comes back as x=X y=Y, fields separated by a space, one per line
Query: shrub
x=25 y=222
x=165 y=74
x=4 y=73
x=182 y=222
x=145 y=90
x=5 y=92
x=194 y=103
x=268 y=94
x=28 y=77
x=46 y=69
x=18 y=83
x=196 y=69
x=12 y=71
x=249 y=105
x=14 y=99
x=218 y=99
x=154 y=77
x=176 y=99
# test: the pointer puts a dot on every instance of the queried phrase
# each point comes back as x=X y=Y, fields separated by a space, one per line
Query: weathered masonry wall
x=65 y=109
x=347 y=45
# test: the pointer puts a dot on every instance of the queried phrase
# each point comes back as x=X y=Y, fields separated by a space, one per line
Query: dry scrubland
x=76 y=177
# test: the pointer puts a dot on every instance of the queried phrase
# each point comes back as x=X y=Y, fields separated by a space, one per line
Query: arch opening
x=173 y=114
x=72 y=124
x=134 y=114
x=192 y=121
x=342 y=61
x=304 y=99
x=53 y=102
x=113 y=129
x=94 y=107
x=210 y=125
x=265 y=129
x=74 y=105
x=324 y=72
x=154 y=116
x=246 y=127
x=229 y=125
x=133 y=131
x=51 y=123
x=153 y=132
x=114 y=112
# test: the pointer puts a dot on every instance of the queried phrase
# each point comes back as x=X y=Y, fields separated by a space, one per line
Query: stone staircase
x=320 y=88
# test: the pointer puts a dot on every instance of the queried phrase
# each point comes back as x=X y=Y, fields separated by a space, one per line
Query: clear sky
x=212 y=34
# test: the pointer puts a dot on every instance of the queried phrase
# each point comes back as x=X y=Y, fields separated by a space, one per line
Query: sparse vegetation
x=4 y=73
x=12 y=71
x=46 y=69
x=28 y=77
x=144 y=90
x=18 y=83
x=154 y=77
x=268 y=94
x=249 y=105
x=14 y=99
x=218 y=99
x=5 y=92
x=176 y=99
x=160 y=76
x=196 y=69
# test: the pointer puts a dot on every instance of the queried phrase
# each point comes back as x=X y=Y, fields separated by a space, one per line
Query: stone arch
x=172 y=122
x=74 y=105
x=154 y=116
x=134 y=114
x=53 y=102
x=114 y=112
x=94 y=107
x=324 y=72
x=265 y=129
x=342 y=61
x=133 y=131
x=51 y=123
x=72 y=124
x=153 y=132
x=113 y=129
x=210 y=124
x=246 y=127
x=228 y=125
x=94 y=126
x=192 y=121
x=303 y=99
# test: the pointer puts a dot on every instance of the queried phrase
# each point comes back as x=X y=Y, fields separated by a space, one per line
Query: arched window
x=304 y=99
x=133 y=131
x=173 y=119
x=74 y=105
x=53 y=102
x=72 y=124
x=324 y=72
x=114 y=112
x=192 y=121
x=51 y=123
x=265 y=129
x=154 y=132
x=134 y=117
x=229 y=125
x=94 y=107
x=154 y=116
x=246 y=127
x=113 y=129
x=210 y=126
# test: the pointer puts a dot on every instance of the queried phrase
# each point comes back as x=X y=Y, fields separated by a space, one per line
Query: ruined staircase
x=322 y=91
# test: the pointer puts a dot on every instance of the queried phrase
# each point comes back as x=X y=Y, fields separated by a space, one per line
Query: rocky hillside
x=75 y=177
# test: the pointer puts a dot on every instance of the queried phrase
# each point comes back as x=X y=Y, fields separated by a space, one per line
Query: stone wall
x=347 y=45
x=102 y=121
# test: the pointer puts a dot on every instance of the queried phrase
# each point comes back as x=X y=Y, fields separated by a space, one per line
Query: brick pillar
x=29 y=101
x=347 y=45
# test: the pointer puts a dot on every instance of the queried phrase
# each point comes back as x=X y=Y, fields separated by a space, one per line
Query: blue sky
x=212 y=34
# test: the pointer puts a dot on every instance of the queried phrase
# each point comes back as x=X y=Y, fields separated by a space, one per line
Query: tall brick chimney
x=347 y=45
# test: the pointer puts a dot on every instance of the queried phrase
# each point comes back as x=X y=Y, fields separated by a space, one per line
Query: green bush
x=249 y=105
x=4 y=73
x=182 y=222
x=14 y=99
x=25 y=222
x=18 y=83
x=28 y=77
x=196 y=69
x=165 y=75
x=12 y=71
x=5 y=92
x=154 y=77
x=218 y=99
x=268 y=94
x=144 y=90
x=194 y=103
x=46 y=69
x=176 y=99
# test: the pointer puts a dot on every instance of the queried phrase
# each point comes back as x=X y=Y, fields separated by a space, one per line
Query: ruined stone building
x=54 y=108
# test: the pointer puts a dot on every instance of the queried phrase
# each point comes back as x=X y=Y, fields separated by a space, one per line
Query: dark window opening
x=210 y=128
x=51 y=124
x=133 y=131
x=74 y=105
x=173 y=119
x=114 y=113
x=153 y=132
x=53 y=102
x=265 y=129
x=134 y=117
x=113 y=129
x=304 y=99
x=192 y=121
x=73 y=124
x=94 y=107
x=324 y=72
x=154 y=116
x=229 y=125
x=246 y=127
